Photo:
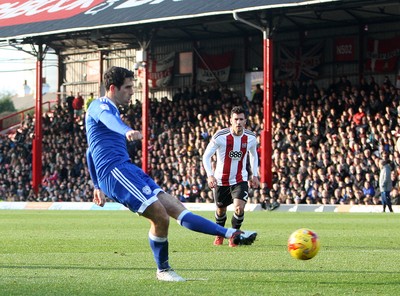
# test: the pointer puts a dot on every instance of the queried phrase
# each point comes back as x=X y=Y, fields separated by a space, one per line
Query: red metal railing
x=16 y=118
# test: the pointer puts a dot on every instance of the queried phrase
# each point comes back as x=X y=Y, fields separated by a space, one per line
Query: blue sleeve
x=92 y=170
x=114 y=123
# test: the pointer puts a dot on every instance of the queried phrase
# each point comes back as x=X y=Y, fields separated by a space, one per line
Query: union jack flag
x=300 y=63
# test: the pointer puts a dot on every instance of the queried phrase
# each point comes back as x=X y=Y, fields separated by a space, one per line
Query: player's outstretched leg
x=200 y=224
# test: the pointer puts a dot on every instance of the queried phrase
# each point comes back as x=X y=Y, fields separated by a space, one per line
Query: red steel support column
x=37 y=141
x=266 y=135
x=145 y=119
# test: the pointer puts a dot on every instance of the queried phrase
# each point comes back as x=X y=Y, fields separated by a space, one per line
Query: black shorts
x=224 y=195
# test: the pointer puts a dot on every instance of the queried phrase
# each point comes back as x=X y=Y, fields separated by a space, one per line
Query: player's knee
x=163 y=219
x=239 y=210
x=157 y=214
x=220 y=212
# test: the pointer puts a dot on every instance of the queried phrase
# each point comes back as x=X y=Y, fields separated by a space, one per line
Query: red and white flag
x=160 y=71
x=382 y=55
x=214 y=68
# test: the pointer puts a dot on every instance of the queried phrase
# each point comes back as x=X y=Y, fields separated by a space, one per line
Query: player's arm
x=208 y=153
x=98 y=196
x=91 y=168
x=113 y=122
x=253 y=157
x=116 y=124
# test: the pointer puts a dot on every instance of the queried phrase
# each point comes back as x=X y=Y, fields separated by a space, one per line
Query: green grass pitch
x=107 y=253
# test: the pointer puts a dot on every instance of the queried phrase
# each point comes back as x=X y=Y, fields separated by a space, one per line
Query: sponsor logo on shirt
x=235 y=155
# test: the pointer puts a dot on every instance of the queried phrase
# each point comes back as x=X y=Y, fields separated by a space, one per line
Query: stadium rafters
x=114 y=24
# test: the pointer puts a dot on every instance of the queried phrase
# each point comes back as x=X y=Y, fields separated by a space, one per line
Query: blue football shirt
x=105 y=132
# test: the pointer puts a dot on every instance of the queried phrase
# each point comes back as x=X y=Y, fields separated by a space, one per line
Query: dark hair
x=116 y=75
x=237 y=110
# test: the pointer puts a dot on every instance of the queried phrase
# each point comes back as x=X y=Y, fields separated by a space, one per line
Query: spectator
x=258 y=95
x=88 y=100
x=77 y=104
x=69 y=101
x=385 y=184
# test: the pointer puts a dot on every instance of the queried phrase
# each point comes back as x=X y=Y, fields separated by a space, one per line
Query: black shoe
x=242 y=238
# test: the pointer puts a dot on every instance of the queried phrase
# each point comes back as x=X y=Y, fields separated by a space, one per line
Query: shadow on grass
x=263 y=271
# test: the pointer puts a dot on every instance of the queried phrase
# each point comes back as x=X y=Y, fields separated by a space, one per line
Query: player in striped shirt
x=230 y=178
x=114 y=176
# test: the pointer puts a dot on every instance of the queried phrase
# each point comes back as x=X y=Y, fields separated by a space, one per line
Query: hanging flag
x=344 y=49
x=214 y=68
x=160 y=71
x=300 y=63
x=382 y=55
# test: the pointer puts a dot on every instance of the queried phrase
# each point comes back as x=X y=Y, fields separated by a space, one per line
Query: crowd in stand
x=327 y=144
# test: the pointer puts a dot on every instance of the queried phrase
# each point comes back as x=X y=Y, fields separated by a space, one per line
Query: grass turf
x=107 y=253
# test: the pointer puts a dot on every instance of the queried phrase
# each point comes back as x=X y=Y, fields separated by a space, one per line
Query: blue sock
x=197 y=223
x=159 y=246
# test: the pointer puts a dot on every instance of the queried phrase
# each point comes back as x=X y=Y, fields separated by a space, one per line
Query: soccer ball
x=303 y=244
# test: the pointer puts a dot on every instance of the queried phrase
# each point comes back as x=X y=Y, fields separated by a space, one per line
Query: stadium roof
x=78 y=24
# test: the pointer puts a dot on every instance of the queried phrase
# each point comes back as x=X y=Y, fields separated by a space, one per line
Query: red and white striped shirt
x=232 y=154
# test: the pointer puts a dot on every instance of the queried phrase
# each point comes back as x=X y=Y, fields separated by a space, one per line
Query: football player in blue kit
x=114 y=175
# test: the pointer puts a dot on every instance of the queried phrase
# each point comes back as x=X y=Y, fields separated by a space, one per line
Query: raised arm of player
x=114 y=122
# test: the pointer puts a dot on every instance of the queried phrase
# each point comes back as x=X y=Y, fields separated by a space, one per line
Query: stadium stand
x=326 y=145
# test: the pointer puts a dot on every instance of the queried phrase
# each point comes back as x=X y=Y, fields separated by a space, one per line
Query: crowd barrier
x=335 y=208
x=111 y=206
x=14 y=119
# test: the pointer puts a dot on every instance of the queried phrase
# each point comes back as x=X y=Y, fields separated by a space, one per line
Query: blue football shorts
x=129 y=185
